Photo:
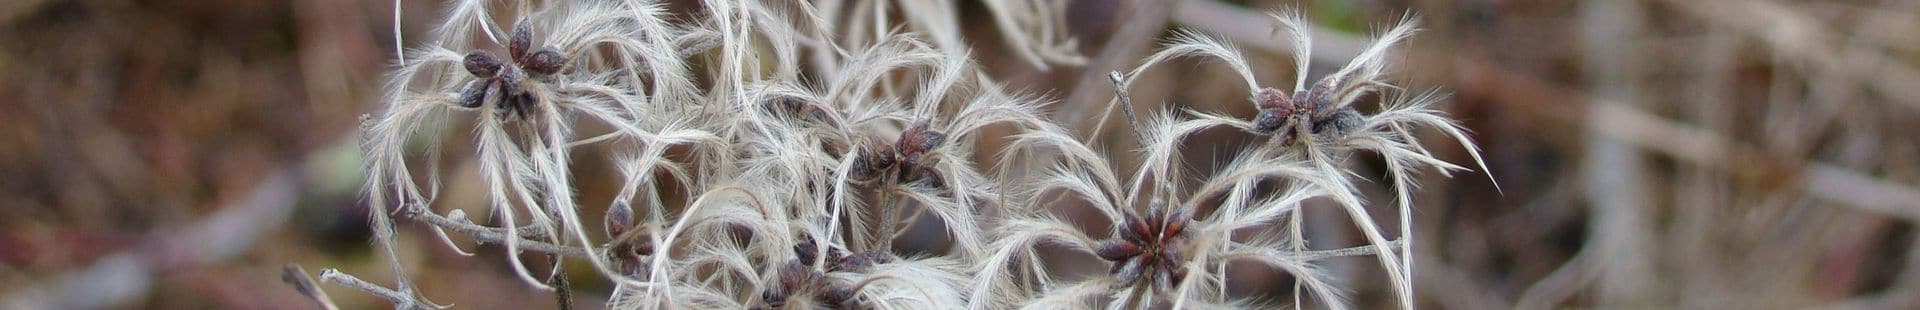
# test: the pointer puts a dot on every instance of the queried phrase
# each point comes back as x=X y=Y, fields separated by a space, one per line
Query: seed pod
x=1275 y=108
x=917 y=140
x=925 y=176
x=1130 y=270
x=1271 y=120
x=1167 y=274
x=475 y=94
x=1156 y=220
x=645 y=247
x=1309 y=101
x=1116 y=249
x=545 y=62
x=807 y=250
x=1269 y=98
x=795 y=277
x=1343 y=122
x=520 y=42
x=840 y=296
x=859 y=262
x=619 y=219
x=873 y=161
x=774 y=298
x=1176 y=223
x=1133 y=228
x=482 y=64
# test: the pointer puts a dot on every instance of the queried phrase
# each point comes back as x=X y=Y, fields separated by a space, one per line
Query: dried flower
x=1148 y=247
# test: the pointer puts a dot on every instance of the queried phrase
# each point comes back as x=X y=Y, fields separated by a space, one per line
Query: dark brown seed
x=927 y=176
x=520 y=42
x=930 y=139
x=1135 y=229
x=1163 y=276
x=645 y=247
x=873 y=161
x=859 y=262
x=1343 y=122
x=1177 y=222
x=795 y=276
x=1309 y=102
x=1169 y=253
x=1129 y=271
x=774 y=298
x=1157 y=220
x=919 y=139
x=544 y=62
x=618 y=220
x=1271 y=120
x=1272 y=99
x=509 y=104
x=482 y=64
x=475 y=94
x=839 y=296
x=1116 y=249
x=807 y=251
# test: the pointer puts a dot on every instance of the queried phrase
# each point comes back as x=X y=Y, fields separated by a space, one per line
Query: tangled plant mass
x=804 y=148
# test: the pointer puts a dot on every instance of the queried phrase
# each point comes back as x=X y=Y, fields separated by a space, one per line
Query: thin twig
x=562 y=288
x=399 y=299
x=297 y=277
x=1352 y=251
x=1126 y=104
x=1125 y=46
x=485 y=234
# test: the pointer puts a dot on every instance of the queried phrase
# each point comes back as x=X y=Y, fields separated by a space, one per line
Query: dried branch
x=400 y=300
x=297 y=277
x=1125 y=46
x=494 y=235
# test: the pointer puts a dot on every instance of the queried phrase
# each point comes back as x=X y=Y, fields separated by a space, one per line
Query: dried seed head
x=482 y=64
x=544 y=62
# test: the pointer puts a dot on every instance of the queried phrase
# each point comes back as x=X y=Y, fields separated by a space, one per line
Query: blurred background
x=1648 y=153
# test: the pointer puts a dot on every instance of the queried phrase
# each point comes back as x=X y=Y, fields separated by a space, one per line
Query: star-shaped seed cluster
x=1284 y=115
x=903 y=159
x=505 y=80
x=1148 y=248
